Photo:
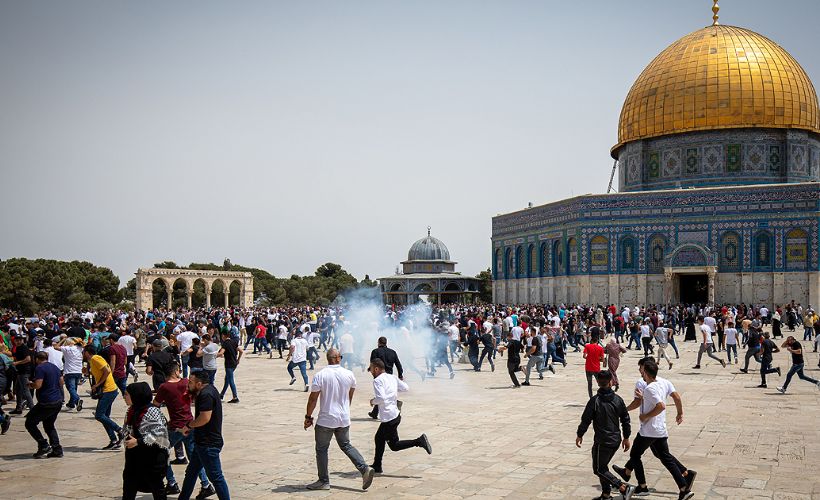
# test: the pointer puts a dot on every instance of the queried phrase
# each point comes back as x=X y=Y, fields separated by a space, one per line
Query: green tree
x=485 y=289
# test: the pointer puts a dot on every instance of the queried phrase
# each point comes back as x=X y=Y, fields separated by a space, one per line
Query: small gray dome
x=428 y=248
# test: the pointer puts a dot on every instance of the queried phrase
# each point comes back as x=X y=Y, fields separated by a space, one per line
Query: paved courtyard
x=488 y=441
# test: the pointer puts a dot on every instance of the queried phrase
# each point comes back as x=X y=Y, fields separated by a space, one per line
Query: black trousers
x=129 y=491
x=660 y=448
x=751 y=353
x=647 y=346
x=512 y=366
x=765 y=369
x=601 y=456
x=487 y=351
x=47 y=414
x=590 y=376
x=388 y=432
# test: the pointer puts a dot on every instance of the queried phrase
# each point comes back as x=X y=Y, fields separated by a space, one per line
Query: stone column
x=667 y=285
x=227 y=296
x=170 y=292
x=814 y=289
x=711 y=272
x=189 y=293
x=207 y=295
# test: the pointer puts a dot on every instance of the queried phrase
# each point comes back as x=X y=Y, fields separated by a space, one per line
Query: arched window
x=557 y=258
x=545 y=259
x=509 y=264
x=599 y=254
x=763 y=249
x=572 y=253
x=532 y=262
x=628 y=254
x=797 y=250
x=497 y=263
x=656 y=252
x=520 y=269
x=730 y=252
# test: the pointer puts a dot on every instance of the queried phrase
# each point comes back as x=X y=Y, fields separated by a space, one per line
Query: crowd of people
x=178 y=350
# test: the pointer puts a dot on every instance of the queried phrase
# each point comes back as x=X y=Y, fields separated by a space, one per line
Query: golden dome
x=714 y=78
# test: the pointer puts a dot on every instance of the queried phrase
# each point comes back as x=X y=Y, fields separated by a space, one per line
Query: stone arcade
x=719 y=161
x=146 y=278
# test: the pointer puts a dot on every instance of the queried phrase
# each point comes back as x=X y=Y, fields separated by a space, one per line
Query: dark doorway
x=694 y=288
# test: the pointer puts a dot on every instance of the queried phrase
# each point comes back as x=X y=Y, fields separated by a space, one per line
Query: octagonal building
x=718 y=167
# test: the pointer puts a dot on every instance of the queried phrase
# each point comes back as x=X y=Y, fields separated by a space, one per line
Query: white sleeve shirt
x=386 y=388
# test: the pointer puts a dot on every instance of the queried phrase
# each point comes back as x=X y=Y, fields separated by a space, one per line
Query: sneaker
x=55 y=453
x=722 y=363
x=743 y=370
x=292 y=381
x=4 y=426
x=425 y=443
x=16 y=411
x=762 y=386
x=306 y=389
x=172 y=489
x=781 y=390
x=628 y=492
x=233 y=401
x=79 y=406
x=206 y=492
x=685 y=495
x=621 y=472
x=452 y=375
x=492 y=369
x=179 y=461
x=690 y=478
x=525 y=383
x=109 y=446
x=696 y=367
x=367 y=478
x=117 y=446
x=318 y=485
x=120 y=436
x=670 y=366
x=551 y=368
x=43 y=452
x=778 y=371
x=377 y=470
x=641 y=490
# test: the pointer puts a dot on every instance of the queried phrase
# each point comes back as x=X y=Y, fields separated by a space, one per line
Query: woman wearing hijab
x=146 y=447
x=613 y=352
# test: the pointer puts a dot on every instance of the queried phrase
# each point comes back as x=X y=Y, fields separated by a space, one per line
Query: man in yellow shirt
x=809 y=318
x=104 y=383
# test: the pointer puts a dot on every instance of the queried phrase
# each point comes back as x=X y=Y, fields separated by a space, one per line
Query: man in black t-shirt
x=158 y=364
x=207 y=429
x=752 y=348
x=232 y=353
x=796 y=350
x=22 y=364
x=767 y=348
x=513 y=358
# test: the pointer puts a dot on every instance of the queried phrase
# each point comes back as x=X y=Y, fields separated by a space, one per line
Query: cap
x=157 y=343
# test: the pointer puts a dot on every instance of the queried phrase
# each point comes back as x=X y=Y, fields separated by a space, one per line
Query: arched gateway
x=146 y=278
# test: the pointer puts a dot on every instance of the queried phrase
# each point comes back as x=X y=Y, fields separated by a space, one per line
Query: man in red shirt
x=174 y=394
x=117 y=358
x=594 y=356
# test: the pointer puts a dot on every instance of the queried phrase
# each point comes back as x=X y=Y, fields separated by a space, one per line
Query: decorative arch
x=572 y=256
x=520 y=270
x=545 y=259
x=762 y=254
x=628 y=254
x=509 y=264
x=532 y=261
x=453 y=287
x=397 y=287
x=558 y=261
x=497 y=263
x=797 y=250
x=731 y=251
x=423 y=288
x=690 y=255
x=656 y=252
x=599 y=254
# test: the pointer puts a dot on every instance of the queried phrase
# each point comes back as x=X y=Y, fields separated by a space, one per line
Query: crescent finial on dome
x=428 y=230
x=715 y=10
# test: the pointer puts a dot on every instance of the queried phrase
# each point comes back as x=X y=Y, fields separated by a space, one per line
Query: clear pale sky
x=287 y=134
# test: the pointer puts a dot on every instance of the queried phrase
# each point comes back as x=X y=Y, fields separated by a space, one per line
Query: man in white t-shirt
x=312 y=339
x=517 y=332
x=730 y=339
x=72 y=351
x=651 y=393
x=129 y=342
x=707 y=345
x=298 y=357
x=185 y=339
x=453 y=335
x=333 y=388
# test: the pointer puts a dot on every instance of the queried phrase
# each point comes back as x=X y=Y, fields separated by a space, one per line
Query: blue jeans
x=302 y=368
x=176 y=437
x=675 y=346
x=807 y=331
x=798 y=369
x=312 y=355
x=71 y=381
x=122 y=383
x=206 y=457
x=229 y=382
x=552 y=354
x=185 y=366
x=323 y=436
x=211 y=376
x=103 y=414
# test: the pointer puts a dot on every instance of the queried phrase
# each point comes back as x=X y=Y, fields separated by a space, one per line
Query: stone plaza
x=489 y=441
